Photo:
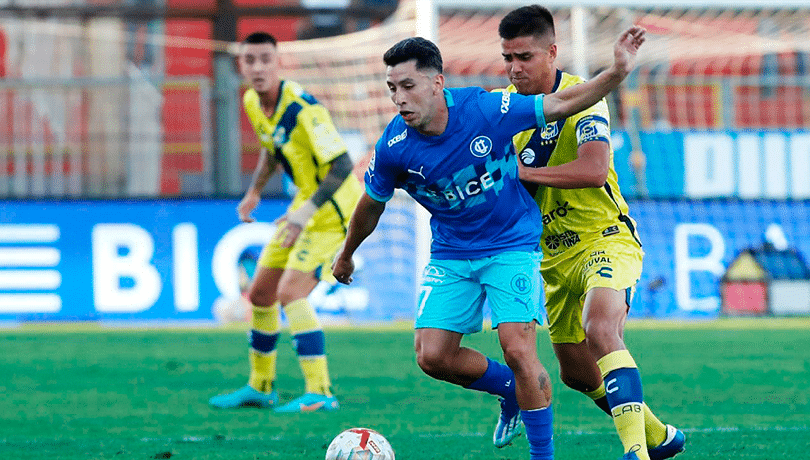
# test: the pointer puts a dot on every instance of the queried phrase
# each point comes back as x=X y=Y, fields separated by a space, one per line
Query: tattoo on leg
x=544 y=381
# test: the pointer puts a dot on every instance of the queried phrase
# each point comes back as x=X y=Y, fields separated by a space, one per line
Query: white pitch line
x=719 y=429
x=208 y=439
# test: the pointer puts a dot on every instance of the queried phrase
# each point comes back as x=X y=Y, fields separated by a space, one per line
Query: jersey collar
x=557 y=81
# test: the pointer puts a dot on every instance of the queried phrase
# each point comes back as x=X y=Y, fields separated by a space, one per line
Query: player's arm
x=363 y=222
x=577 y=98
x=265 y=169
x=339 y=170
x=589 y=169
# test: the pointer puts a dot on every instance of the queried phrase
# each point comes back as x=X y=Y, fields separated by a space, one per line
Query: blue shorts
x=453 y=292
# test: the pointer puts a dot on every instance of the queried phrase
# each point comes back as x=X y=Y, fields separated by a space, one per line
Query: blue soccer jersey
x=466 y=177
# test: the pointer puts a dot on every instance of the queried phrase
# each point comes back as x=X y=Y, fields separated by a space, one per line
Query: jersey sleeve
x=593 y=124
x=381 y=175
x=323 y=136
x=514 y=112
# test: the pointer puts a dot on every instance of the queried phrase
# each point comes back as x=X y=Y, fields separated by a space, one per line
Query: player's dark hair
x=424 y=51
x=259 y=38
x=532 y=20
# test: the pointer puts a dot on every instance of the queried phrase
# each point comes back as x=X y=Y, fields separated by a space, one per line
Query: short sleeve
x=592 y=124
x=380 y=177
x=515 y=112
x=325 y=141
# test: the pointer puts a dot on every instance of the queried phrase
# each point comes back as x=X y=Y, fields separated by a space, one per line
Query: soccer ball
x=360 y=444
x=228 y=311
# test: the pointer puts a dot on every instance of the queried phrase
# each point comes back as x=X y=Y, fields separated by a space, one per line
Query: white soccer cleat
x=509 y=424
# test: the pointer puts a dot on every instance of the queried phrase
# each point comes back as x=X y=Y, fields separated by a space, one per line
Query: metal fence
x=105 y=138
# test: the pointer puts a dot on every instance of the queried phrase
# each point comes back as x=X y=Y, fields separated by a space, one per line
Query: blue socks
x=497 y=380
x=539 y=431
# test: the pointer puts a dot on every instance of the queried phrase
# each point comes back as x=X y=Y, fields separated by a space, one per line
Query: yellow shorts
x=313 y=251
x=612 y=262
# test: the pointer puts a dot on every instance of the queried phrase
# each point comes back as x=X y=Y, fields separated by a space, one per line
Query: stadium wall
x=170 y=260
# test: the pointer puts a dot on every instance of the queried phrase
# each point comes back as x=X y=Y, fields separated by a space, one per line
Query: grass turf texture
x=737 y=388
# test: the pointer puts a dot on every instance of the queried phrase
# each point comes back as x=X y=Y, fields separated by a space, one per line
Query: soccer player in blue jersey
x=592 y=253
x=297 y=134
x=451 y=150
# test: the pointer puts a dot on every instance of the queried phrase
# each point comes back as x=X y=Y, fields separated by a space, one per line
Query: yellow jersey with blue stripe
x=301 y=135
x=574 y=217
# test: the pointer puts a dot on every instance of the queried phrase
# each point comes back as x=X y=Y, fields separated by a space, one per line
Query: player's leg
x=264 y=333
x=578 y=371
x=532 y=386
x=308 y=263
x=450 y=305
x=513 y=288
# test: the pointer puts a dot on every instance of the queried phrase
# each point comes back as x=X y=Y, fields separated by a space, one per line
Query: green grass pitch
x=738 y=388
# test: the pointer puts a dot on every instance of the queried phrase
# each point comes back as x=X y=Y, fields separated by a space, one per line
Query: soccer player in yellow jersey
x=592 y=253
x=296 y=133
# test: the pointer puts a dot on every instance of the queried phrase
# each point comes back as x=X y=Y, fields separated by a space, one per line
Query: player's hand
x=626 y=49
x=291 y=232
x=342 y=268
x=246 y=207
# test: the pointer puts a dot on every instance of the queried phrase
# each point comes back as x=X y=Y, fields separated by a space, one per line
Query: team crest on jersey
x=551 y=131
x=481 y=146
x=373 y=161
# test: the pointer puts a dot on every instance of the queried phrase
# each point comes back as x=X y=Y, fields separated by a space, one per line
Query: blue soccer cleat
x=246 y=396
x=672 y=445
x=509 y=424
x=629 y=456
x=310 y=402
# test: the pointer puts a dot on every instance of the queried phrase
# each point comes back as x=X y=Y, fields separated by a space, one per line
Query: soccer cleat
x=310 y=402
x=629 y=456
x=509 y=424
x=246 y=396
x=672 y=445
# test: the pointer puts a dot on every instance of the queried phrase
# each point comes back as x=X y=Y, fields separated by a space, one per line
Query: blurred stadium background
x=123 y=146
x=124 y=150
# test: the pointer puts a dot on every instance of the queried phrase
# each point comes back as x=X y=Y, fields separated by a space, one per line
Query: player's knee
x=600 y=331
x=432 y=361
x=521 y=358
x=261 y=297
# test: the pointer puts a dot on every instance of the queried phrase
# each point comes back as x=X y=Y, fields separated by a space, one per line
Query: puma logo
x=418 y=173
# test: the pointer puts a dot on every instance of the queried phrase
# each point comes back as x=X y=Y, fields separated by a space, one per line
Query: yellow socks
x=308 y=340
x=625 y=397
x=263 y=339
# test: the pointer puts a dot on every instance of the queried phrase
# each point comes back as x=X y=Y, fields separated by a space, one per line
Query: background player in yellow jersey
x=592 y=253
x=297 y=133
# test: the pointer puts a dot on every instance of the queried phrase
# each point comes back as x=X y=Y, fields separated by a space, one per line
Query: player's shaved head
x=532 y=20
x=423 y=51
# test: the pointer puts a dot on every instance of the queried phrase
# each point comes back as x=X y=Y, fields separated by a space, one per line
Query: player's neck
x=269 y=99
x=438 y=124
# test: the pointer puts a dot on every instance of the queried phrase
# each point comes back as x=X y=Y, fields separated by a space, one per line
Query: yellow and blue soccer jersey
x=573 y=217
x=304 y=140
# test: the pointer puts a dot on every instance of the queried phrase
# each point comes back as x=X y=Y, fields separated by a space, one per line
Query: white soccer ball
x=228 y=311
x=360 y=444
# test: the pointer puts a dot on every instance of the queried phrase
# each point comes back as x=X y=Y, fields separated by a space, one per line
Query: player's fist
x=342 y=268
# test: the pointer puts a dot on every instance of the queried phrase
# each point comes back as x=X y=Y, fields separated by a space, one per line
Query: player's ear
x=552 y=51
x=438 y=83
